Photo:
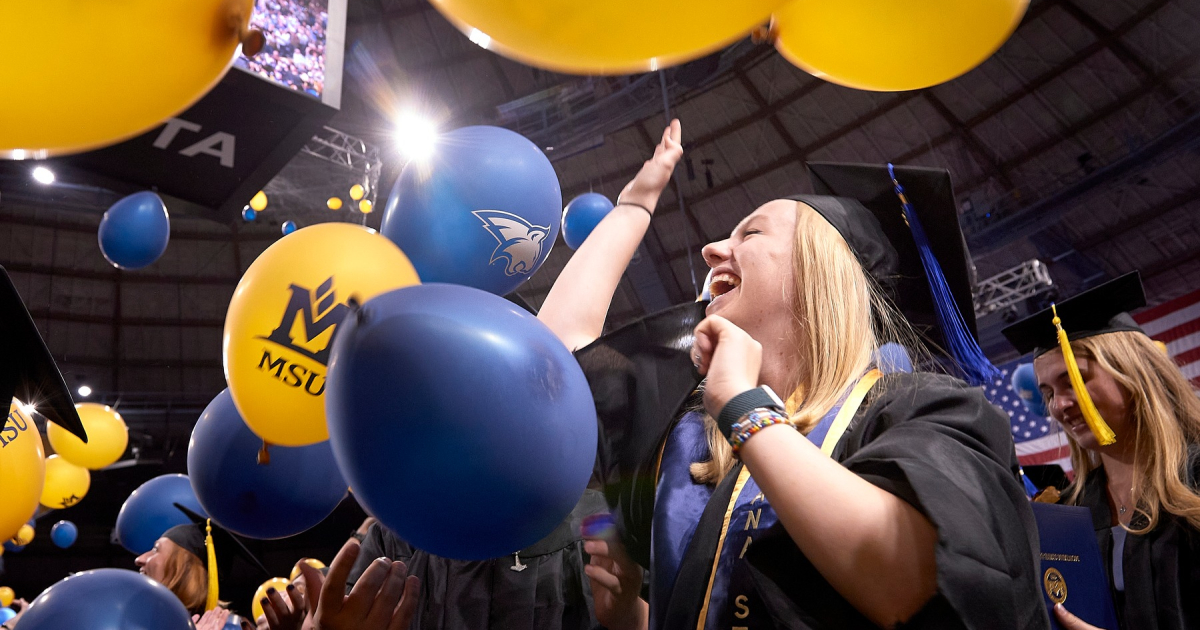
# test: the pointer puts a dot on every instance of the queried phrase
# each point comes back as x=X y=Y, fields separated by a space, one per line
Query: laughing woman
x=864 y=500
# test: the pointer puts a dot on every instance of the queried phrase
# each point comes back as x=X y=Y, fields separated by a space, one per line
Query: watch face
x=774 y=397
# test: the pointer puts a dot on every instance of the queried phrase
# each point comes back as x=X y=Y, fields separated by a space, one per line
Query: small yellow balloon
x=334 y=203
x=357 y=192
x=365 y=206
x=284 y=314
x=22 y=470
x=312 y=562
x=6 y=596
x=66 y=483
x=107 y=437
x=94 y=81
x=277 y=583
x=885 y=45
x=259 y=201
x=24 y=535
x=1161 y=346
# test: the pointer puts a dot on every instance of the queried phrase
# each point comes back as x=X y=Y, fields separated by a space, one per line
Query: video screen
x=294 y=54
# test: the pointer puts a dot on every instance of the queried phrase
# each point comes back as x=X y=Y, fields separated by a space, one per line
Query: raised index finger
x=334 y=588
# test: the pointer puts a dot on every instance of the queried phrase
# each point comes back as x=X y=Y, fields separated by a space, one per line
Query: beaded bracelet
x=752 y=423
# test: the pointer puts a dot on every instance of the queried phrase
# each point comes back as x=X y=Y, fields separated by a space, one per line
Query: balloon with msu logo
x=22 y=469
x=483 y=211
x=283 y=317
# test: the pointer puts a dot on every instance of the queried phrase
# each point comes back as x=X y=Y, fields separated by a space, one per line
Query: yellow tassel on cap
x=213 y=588
x=1104 y=434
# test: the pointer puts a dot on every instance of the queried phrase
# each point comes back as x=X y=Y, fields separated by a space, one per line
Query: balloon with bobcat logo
x=283 y=317
x=484 y=211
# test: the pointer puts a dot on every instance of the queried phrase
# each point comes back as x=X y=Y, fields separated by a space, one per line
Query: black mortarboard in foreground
x=27 y=370
x=1099 y=310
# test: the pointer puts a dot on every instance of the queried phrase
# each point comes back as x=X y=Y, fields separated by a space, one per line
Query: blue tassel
x=1030 y=489
x=961 y=344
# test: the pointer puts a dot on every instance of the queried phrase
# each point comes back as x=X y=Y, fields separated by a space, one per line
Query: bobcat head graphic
x=520 y=241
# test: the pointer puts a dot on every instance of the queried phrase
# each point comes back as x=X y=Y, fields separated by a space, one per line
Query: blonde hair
x=840 y=318
x=184 y=574
x=1165 y=415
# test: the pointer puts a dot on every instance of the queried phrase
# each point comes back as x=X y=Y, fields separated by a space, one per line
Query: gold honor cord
x=213 y=588
x=1104 y=434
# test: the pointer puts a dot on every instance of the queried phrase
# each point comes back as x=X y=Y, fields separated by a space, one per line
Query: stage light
x=43 y=175
x=85 y=391
x=415 y=136
x=28 y=409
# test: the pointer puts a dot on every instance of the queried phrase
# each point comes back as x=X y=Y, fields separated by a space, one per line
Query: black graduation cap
x=915 y=251
x=27 y=370
x=1099 y=310
x=225 y=544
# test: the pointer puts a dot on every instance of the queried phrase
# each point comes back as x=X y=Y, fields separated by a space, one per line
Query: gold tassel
x=213 y=588
x=1091 y=415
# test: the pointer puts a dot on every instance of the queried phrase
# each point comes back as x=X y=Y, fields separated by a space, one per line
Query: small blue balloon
x=1024 y=383
x=9 y=546
x=249 y=214
x=462 y=423
x=297 y=490
x=107 y=599
x=6 y=614
x=150 y=511
x=484 y=212
x=582 y=215
x=64 y=533
x=891 y=358
x=134 y=231
x=288 y=227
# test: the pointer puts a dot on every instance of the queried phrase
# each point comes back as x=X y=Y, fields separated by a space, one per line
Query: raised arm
x=578 y=302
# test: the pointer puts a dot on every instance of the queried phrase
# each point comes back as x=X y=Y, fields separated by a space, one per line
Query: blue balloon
x=64 y=534
x=891 y=358
x=288 y=227
x=1024 y=383
x=135 y=230
x=462 y=423
x=9 y=546
x=295 y=491
x=249 y=214
x=107 y=599
x=484 y=211
x=582 y=215
x=6 y=614
x=150 y=511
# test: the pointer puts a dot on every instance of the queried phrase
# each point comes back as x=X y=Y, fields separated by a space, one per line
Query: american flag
x=1039 y=439
x=1177 y=324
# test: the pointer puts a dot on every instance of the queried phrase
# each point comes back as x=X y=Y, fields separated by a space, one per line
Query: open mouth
x=723 y=283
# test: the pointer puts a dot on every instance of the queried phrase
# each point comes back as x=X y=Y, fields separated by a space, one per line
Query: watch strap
x=743 y=404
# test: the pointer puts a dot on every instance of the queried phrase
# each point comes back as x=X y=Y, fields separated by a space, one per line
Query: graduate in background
x=864 y=500
x=1133 y=424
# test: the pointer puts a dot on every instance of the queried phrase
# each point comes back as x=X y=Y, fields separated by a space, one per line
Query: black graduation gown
x=1161 y=567
x=550 y=593
x=929 y=439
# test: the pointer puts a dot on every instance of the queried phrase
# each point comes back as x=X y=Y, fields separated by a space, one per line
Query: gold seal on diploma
x=1056 y=586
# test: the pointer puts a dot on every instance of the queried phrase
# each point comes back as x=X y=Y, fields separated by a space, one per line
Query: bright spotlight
x=28 y=409
x=85 y=391
x=415 y=136
x=43 y=175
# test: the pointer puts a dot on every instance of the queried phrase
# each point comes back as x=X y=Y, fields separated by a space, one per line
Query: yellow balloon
x=97 y=73
x=66 y=483
x=6 y=596
x=334 y=203
x=278 y=584
x=259 y=201
x=312 y=562
x=886 y=45
x=22 y=470
x=357 y=192
x=284 y=313
x=606 y=37
x=365 y=206
x=1162 y=347
x=107 y=437
x=24 y=535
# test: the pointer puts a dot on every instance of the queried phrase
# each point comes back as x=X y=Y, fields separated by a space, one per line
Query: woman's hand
x=212 y=620
x=284 y=614
x=1069 y=621
x=616 y=585
x=648 y=184
x=384 y=598
x=729 y=358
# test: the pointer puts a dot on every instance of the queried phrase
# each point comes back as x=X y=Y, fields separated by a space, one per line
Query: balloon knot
x=264 y=456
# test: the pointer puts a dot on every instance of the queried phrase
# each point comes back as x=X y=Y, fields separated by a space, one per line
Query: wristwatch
x=761 y=397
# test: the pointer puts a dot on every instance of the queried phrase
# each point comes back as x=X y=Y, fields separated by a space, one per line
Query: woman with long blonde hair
x=865 y=499
x=1132 y=421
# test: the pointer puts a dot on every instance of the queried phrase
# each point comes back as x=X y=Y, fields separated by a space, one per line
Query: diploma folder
x=1072 y=572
